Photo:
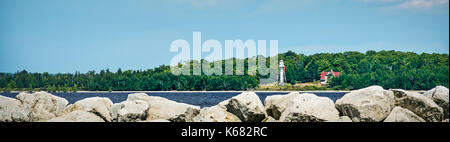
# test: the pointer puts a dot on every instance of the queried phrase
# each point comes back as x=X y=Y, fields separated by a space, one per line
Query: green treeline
x=159 y=78
x=390 y=69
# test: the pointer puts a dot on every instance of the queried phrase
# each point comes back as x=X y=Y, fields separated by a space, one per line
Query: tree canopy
x=390 y=69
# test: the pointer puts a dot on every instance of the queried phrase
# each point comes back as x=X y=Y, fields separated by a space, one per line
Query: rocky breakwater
x=295 y=107
x=371 y=104
x=374 y=104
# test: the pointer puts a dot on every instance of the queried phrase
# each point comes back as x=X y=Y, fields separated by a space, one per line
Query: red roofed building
x=325 y=75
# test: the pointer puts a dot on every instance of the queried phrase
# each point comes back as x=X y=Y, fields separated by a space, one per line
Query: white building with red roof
x=324 y=76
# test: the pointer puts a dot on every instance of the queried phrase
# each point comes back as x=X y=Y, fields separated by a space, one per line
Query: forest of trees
x=390 y=69
x=159 y=78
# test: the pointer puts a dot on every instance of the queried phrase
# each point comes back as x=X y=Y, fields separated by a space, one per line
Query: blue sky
x=81 y=35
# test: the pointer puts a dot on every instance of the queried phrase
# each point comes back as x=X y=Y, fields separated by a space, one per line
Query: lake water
x=202 y=99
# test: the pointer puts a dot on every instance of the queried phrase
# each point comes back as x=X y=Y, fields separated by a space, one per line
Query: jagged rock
x=42 y=105
x=12 y=110
x=100 y=106
x=129 y=111
x=114 y=111
x=158 y=120
x=215 y=114
x=223 y=104
x=246 y=106
x=439 y=95
x=309 y=108
x=344 y=119
x=269 y=119
x=419 y=105
x=371 y=104
x=162 y=108
x=399 y=114
x=276 y=104
x=77 y=116
x=187 y=116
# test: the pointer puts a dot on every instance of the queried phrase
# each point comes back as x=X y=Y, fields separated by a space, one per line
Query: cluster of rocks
x=371 y=104
x=374 y=104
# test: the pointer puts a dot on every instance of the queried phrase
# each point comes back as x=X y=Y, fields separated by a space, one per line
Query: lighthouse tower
x=282 y=71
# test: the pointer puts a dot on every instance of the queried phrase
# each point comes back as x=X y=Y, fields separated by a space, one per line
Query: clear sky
x=81 y=35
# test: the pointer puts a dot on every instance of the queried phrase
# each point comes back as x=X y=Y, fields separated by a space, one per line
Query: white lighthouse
x=281 y=77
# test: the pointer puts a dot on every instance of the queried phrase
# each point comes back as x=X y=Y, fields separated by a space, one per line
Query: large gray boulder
x=276 y=104
x=130 y=111
x=162 y=108
x=371 y=104
x=42 y=106
x=215 y=114
x=12 y=110
x=439 y=95
x=77 y=116
x=309 y=108
x=419 y=105
x=187 y=116
x=246 y=106
x=399 y=114
x=223 y=104
x=100 y=106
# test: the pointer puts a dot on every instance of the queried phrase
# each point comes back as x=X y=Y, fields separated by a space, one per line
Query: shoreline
x=324 y=91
